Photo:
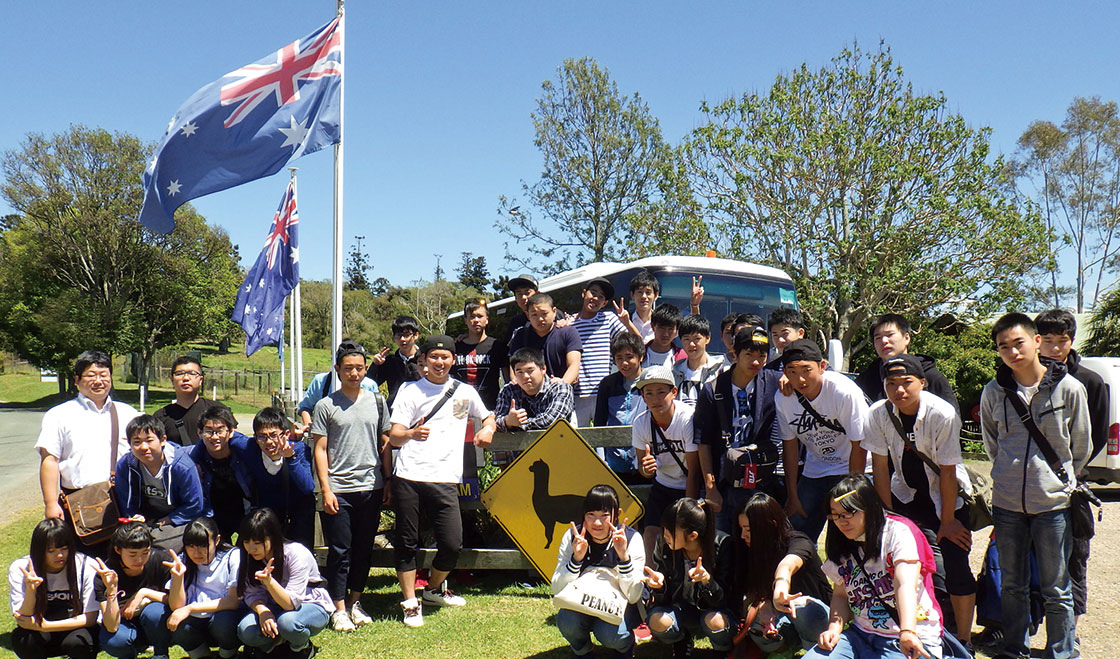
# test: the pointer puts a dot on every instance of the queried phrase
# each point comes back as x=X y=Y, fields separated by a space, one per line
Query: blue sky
x=438 y=94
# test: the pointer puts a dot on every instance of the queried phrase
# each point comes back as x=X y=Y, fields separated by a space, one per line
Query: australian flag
x=248 y=124
x=260 y=301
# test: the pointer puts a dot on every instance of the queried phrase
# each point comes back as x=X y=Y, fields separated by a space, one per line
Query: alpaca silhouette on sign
x=553 y=509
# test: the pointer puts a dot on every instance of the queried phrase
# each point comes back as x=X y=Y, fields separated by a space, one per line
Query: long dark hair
x=199 y=533
x=856 y=493
x=690 y=515
x=54 y=533
x=602 y=498
x=260 y=525
x=755 y=563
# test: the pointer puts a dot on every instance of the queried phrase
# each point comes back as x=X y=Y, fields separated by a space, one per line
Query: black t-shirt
x=515 y=323
x=810 y=580
x=479 y=365
x=913 y=469
x=555 y=345
x=225 y=492
x=155 y=576
x=173 y=412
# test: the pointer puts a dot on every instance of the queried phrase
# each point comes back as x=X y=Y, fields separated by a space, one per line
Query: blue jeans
x=576 y=628
x=688 y=621
x=813 y=493
x=855 y=643
x=1049 y=535
x=295 y=628
x=132 y=636
x=218 y=630
x=801 y=632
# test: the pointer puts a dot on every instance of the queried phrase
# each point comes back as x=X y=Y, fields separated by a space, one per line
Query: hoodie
x=1023 y=480
x=1097 y=392
x=184 y=489
x=870 y=380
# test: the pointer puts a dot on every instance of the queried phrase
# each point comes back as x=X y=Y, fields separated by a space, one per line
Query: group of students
x=745 y=430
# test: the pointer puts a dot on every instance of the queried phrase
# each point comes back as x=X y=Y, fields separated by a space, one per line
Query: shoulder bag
x=92 y=510
x=979 y=503
x=1081 y=499
x=596 y=593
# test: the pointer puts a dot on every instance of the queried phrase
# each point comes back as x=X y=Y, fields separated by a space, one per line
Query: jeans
x=349 y=536
x=218 y=630
x=855 y=643
x=132 y=636
x=576 y=628
x=295 y=628
x=801 y=632
x=688 y=621
x=1049 y=535
x=813 y=493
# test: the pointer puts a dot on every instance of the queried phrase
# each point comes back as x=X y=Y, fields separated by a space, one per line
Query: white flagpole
x=292 y=348
x=282 y=369
x=297 y=326
x=336 y=290
x=298 y=354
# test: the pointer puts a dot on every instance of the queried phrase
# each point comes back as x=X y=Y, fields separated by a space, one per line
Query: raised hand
x=176 y=565
x=289 y=450
x=108 y=576
x=264 y=575
x=620 y=308
x=648 y=466
x=698 y=574
x=420 y=432
x=697 y=291
x=618 y=540
x=31 y=581
x=654 y=579
x=378 y=358
x=517 y=416
x=579 y=543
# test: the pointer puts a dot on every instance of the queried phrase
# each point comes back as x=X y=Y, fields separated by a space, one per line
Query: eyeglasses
x=179 y=374
x=271 y=437
x=94 y=377
x=213 y=432
x=832 y=517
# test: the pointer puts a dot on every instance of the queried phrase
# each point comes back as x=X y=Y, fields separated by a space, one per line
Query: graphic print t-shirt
x=479 y=365
x=869 y=614
x=678 y=438
x=840 y=400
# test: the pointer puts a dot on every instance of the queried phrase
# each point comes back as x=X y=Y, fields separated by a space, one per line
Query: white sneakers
x=442 y=597
x=413 y=617
x=359 y=616
x=341 y=622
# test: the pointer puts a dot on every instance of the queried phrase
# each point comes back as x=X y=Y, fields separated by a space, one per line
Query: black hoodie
x=1098 y=393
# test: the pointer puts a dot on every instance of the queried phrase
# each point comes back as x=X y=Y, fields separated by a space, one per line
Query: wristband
x=903 y=631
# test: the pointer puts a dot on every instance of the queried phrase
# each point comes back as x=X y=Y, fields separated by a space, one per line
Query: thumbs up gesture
x=647 y=464
x=698 y=574
x=517 y=416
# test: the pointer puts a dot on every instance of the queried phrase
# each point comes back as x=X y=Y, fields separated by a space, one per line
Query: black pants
x=440 y=502
x=299 y=521
x=954 y=574
x=1079 y=575
x=76 y=644
x=228 y=515
x=349 y=536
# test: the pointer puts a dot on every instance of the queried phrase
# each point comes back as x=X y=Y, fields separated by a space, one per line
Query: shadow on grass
x=39 y=403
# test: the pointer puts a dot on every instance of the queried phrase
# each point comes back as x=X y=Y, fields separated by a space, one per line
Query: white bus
x=729 y=286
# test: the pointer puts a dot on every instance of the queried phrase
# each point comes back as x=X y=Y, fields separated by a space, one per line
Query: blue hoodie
x=184 y=489
x=237 y=444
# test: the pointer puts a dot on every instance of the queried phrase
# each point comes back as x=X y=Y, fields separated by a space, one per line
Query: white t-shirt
x=937 y=430
x=868 y=614
x=213 y=581
x=57 y=585
x=77 y=433
x=840 y=400
x=678 y=435
x=654 y=358
x=690 y=381
x=645 y=329
x=438 y=459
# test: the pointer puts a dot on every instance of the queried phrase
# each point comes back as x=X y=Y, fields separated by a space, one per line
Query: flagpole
x=298 y=354
x=336 y=316
x=282 y=368
x=292 y=349
x=297 y=325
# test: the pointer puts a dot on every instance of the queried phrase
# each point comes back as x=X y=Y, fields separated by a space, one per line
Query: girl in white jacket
x=601 y=541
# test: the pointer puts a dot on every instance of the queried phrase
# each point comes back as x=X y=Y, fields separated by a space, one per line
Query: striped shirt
x=595 y=334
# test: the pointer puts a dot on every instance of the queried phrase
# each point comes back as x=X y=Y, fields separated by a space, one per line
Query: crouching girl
x=610 y=548
x=132 y=593
x=280 y=583
x=51 y=591
x=691 y=567
x=205 y=606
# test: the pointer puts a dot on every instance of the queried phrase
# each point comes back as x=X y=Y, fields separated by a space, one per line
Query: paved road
x=19 y=462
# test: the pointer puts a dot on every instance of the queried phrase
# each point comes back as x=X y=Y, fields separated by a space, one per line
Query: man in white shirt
x=74 y=443
x=826 y=414
x=429 y=423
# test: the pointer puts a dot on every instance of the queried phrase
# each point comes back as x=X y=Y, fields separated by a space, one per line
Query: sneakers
x=341 y=622
x=413 y=617
x=442 y=597
x=359 y=616
x=307 y=652
x=682 y=649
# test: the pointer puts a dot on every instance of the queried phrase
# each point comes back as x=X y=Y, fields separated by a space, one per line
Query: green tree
x=1075 y=169
x=473 y=271
x=77 y=264
x=1103 y=331
x=872 y=197
x=602 y=154
x=357 y=268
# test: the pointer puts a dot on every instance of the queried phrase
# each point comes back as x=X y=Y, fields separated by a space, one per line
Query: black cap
x=902 y=365
x=437 y=342
x=802 y=350
x=604 y=283
x=751 y=337
x=523 y=281
x=347 y=348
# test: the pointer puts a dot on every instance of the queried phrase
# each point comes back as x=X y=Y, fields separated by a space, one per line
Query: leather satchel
x=93 y=509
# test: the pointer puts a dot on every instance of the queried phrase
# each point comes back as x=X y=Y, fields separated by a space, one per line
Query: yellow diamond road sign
x=541 y=492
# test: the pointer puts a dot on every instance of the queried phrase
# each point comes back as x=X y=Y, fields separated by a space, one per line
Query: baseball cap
x=902 y=365
x=603 y=283
x=437 y=342
x=523 y=281
x=802 y=350
x=656 y=375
